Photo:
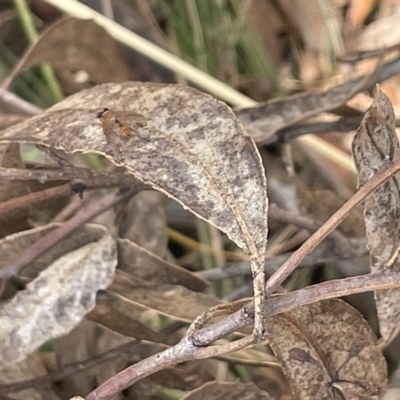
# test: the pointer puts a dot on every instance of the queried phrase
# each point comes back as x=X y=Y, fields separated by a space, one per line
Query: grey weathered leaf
x=225 y=390
x=56 y=301
x=63 y=44
x=375 y=146
x=112 y=310
x=178 y=140
x=328 y=349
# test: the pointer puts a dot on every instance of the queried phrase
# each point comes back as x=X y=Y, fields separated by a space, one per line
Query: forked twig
x=35 y=198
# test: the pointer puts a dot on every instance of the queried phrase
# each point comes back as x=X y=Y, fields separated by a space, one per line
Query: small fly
x=120 y=123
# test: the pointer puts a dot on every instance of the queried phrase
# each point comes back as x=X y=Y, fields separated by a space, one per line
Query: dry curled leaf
x=327 y=349
x=176 y=139
x=56 y=301
x=265 y=119
x=375 y=146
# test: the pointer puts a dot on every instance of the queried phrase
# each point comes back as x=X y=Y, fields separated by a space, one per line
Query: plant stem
x=32 y=35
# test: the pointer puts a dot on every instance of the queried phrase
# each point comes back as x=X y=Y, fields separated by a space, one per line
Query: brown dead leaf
x=173 y=300
x=123 y=316
x=375 y=146
x=14 y=221
x=144 y=223
x=64 y=44
x=231 y=390
x=328 y=349
x=56 y=301
x=185 y=144
x=142 y=264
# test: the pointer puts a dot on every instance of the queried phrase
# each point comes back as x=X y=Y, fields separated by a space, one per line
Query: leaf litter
x=182 y=142
x=129 y=125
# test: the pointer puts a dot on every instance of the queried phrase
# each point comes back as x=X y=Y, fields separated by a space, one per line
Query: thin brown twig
x=44 y=175
x=333 y=289
x=7 y=120
x=85 y=214
x=71 y=208
x=35 y=198
x=48 y=175
x=95 y=182
x=342 y=243
x=225 y=326
x=322 y=254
